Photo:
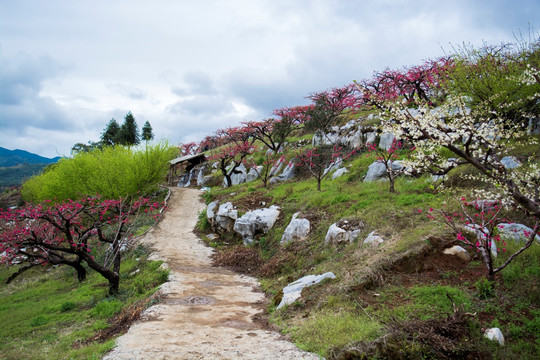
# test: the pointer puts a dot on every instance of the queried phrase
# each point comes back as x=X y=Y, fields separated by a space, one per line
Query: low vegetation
x=405 y=298
x=48 y=314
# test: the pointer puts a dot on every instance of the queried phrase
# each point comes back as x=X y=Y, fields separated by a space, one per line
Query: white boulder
x=211 y=211
x=287 y=174
x=339 y=172
x=386 y=140
x=226 y=217
x=458 y=251
x=495 y=334
x=376 y=171
x=373 y=239
x=516 y=232
x=298 y=229
x=293 y=291
x=256 y=222
x=337 y=234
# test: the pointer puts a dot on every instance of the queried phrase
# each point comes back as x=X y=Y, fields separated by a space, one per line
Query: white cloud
x=192 y=67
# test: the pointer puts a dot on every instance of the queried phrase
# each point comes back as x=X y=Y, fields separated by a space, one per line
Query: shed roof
x=185 y=158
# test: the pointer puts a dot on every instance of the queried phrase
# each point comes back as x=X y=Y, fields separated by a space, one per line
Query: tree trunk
x=114 y=283
x=319 y=184
x=81 y=272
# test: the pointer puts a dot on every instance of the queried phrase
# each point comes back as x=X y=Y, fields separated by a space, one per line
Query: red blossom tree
x=70 y=233
x=296 y=115
x=420 y=83
x=271 y=132
x=319 y=159
x=239 y=144
x=329 y=105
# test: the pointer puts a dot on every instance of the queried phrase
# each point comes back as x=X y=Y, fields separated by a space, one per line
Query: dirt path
x=207 y=311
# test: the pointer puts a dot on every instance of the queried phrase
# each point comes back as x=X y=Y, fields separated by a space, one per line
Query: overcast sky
x=191 y=67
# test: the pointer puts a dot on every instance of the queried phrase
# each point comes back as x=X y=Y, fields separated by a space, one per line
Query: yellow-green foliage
x=112 y=172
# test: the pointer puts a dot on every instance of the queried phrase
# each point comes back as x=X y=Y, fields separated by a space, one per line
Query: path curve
x=207 y=311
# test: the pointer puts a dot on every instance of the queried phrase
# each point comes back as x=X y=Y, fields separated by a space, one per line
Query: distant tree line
x=114 y=134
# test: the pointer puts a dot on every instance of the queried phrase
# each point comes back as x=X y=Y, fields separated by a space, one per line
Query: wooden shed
x=188 y=162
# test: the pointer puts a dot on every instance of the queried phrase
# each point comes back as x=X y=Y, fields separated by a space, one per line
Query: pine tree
x=147 y=133
x=129 y=134
x=110 y=135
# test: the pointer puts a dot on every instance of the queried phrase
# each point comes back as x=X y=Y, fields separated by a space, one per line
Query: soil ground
x=206 y=312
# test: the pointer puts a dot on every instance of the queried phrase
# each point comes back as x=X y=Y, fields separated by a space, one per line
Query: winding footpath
x=206 y=311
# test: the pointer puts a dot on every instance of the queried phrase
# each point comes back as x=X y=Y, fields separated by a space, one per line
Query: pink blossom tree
x=420 y=83
x=238 y=145
x=70 y=233
x=476 y=227
x=319 y=159
x=328 y=106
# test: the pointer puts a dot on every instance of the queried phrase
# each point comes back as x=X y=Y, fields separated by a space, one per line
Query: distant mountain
x=16 y=157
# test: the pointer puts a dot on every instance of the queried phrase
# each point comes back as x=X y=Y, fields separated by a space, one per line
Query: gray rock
x=495 y=334
x=335 y=235
x=201 y=179
x=278 y=166
x=339 y=172
x=370 y=137
x=317 y=139
x=458 y=251
x=253 y=173
x=386 y=141
x=293 y=291
x=376 y=171
x=239 y=175
x=256 y=222
x=185 y=181
x=515 y=232
x=287 y=174
x=345 y=129
x=373 y=239
x=352 y=140
x=510 y=162
x=211 y=212
x=226 y=217
x=298 y=229
x=334 y=165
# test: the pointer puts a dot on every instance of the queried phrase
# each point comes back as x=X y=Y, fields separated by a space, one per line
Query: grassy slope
x=405 y=280
x=47 y=314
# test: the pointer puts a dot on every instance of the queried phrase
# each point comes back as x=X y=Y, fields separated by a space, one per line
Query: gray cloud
x=21 y=102
x=190 y=68
x=128 y=90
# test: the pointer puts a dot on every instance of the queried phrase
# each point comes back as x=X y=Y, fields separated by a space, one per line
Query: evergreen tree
x=110 y=135
x=129 y=134
x=147 y=133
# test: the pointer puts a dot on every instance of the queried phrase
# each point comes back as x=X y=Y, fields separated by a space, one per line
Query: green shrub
x=68 y=305
x=111 y=172
x=485 y=288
